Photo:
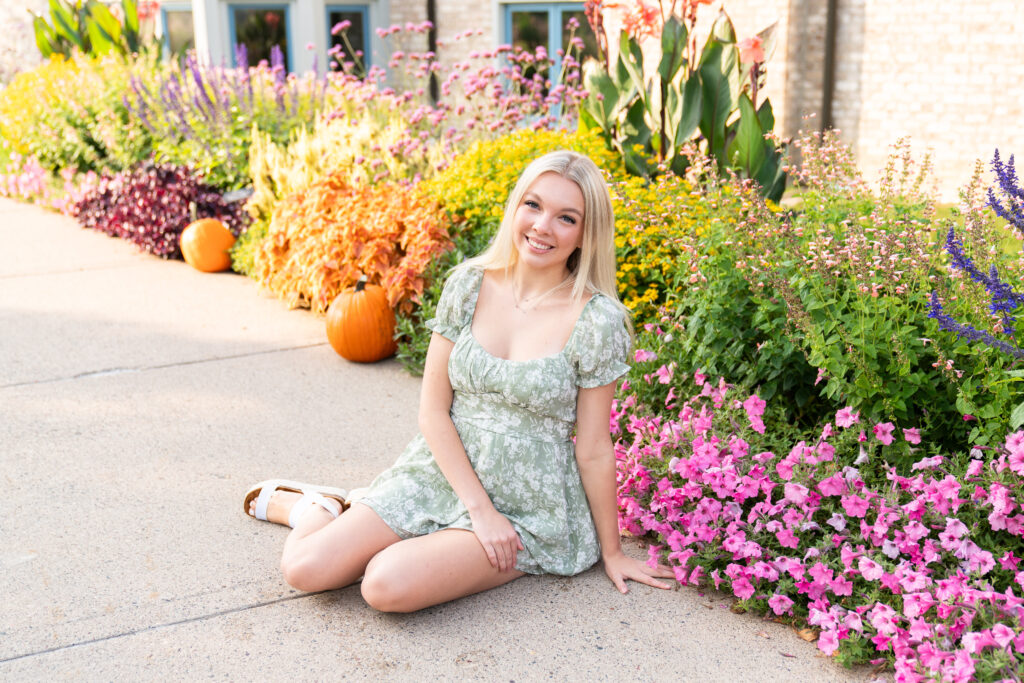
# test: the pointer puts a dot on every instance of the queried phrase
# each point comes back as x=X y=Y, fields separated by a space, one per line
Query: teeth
x=537 y=245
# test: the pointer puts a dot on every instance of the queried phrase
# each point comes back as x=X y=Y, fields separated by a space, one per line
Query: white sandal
x=329 y=498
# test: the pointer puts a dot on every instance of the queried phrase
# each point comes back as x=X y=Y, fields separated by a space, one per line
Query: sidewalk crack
x=157 y=627
x=164 y=366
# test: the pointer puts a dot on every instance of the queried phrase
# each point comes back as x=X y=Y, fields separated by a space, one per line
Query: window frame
x=180 y=6
x=364 y=10
x=555 y=27
x=250 y=5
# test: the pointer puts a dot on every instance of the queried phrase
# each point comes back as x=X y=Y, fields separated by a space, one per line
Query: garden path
x=138 y=400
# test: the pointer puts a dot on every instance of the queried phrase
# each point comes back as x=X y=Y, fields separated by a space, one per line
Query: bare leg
x=323 y=553
x=428 y=570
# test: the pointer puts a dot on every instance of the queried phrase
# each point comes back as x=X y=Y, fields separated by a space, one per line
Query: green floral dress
x=516 y=420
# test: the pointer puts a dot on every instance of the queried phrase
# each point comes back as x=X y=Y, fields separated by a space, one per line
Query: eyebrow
x=533 y=195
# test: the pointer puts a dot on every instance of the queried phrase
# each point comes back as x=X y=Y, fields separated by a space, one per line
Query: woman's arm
x=595 y=456
x=495 y=533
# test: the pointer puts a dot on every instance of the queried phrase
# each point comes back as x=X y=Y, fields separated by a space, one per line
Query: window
x=531 y=25
x=259 y=28
x=179 y=35
x=358 y=33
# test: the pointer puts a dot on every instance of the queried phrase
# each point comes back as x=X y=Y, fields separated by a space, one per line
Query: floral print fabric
x=515 y=419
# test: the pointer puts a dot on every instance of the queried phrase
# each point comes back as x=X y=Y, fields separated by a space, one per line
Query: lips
x=538 y=245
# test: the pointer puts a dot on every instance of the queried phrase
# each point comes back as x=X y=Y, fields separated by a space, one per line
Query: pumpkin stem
x=361 y=285
x=193 y=211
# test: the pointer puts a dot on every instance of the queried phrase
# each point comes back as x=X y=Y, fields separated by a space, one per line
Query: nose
x=543 y=223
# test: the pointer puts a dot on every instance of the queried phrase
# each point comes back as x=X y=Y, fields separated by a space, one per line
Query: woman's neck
x=529 y=283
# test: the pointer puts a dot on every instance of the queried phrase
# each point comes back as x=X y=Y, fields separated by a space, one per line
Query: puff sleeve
x=455 y=307
x=601 y=345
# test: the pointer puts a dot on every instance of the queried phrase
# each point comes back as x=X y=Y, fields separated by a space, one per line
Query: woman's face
x=548 y=223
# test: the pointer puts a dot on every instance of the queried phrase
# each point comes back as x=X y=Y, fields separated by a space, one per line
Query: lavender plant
x=202 y=116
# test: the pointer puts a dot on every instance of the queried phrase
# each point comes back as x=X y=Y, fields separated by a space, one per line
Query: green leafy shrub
x=70 y=113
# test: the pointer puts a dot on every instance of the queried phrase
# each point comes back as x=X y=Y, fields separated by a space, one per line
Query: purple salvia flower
x=968 y=332
x=1009 y=186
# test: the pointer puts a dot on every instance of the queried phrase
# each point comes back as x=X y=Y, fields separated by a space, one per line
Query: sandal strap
x=309 y=498
x=264 y=499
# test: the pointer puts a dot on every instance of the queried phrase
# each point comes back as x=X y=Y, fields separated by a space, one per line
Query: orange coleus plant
x=322 y=239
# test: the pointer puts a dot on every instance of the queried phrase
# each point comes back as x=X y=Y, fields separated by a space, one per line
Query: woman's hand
x=619 y=567
x=498 y=537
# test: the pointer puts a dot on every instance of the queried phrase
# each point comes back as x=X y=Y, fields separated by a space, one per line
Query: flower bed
x=920 y=569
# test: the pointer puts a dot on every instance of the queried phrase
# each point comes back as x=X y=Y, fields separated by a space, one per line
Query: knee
x=384 y=590
x=301 y=574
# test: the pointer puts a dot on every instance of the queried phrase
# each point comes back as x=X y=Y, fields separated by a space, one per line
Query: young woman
x=528 y=342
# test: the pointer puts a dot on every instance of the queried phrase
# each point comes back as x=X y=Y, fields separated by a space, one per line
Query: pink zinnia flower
x=912 y=435
x=847 y=417
x=883 y=432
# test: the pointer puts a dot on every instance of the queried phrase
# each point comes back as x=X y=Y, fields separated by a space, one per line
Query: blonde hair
x=593 y=265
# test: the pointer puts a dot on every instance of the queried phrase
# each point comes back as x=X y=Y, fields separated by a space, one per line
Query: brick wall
x=950 y=75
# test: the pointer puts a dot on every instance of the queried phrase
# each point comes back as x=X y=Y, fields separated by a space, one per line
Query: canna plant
x=89 y=27
x=650 y=114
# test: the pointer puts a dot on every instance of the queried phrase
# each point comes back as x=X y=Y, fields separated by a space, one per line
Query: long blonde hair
x=593 y=265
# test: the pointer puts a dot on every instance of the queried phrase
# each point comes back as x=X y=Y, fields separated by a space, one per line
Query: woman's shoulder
x=603 y=311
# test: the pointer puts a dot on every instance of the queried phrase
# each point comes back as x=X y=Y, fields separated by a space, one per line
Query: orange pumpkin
x=205 y=244
x=361 y=324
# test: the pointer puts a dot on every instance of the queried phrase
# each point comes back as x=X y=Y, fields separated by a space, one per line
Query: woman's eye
x=532 y=204
x=569 y=219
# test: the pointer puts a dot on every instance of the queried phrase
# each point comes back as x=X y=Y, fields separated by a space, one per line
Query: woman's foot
x=279 y=507
x=286 y=503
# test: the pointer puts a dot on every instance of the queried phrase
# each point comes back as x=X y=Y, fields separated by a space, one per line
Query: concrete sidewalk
x=139 y=399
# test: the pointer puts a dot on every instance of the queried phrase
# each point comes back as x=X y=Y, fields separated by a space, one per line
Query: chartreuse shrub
x=324 y=238
x=70 y=113
x=472 y=192
x=365 y=150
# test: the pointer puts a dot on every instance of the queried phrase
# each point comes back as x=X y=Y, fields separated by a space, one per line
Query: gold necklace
x=536 y=299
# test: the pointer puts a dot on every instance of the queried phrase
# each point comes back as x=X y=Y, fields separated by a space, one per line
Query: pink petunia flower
x=780 y=604
x=869 y=569
x=833 y=486
x=847 y=417
x=828 y=641
x=795 y=493
x=742 y=588
x=643 y=355
x=912 y=435
x=855 y=506
x=883 y=432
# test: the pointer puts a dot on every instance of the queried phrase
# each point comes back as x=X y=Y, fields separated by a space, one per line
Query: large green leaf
x=716 y=101
x=631 y=60
x=1017 y=417
x=692 y=108
x=104 y=28
x=67 y=25
x=597 y=82
x=131 y=25
x=766 y=116
x=673 y=48
x=747 y=150
x=46 y=38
